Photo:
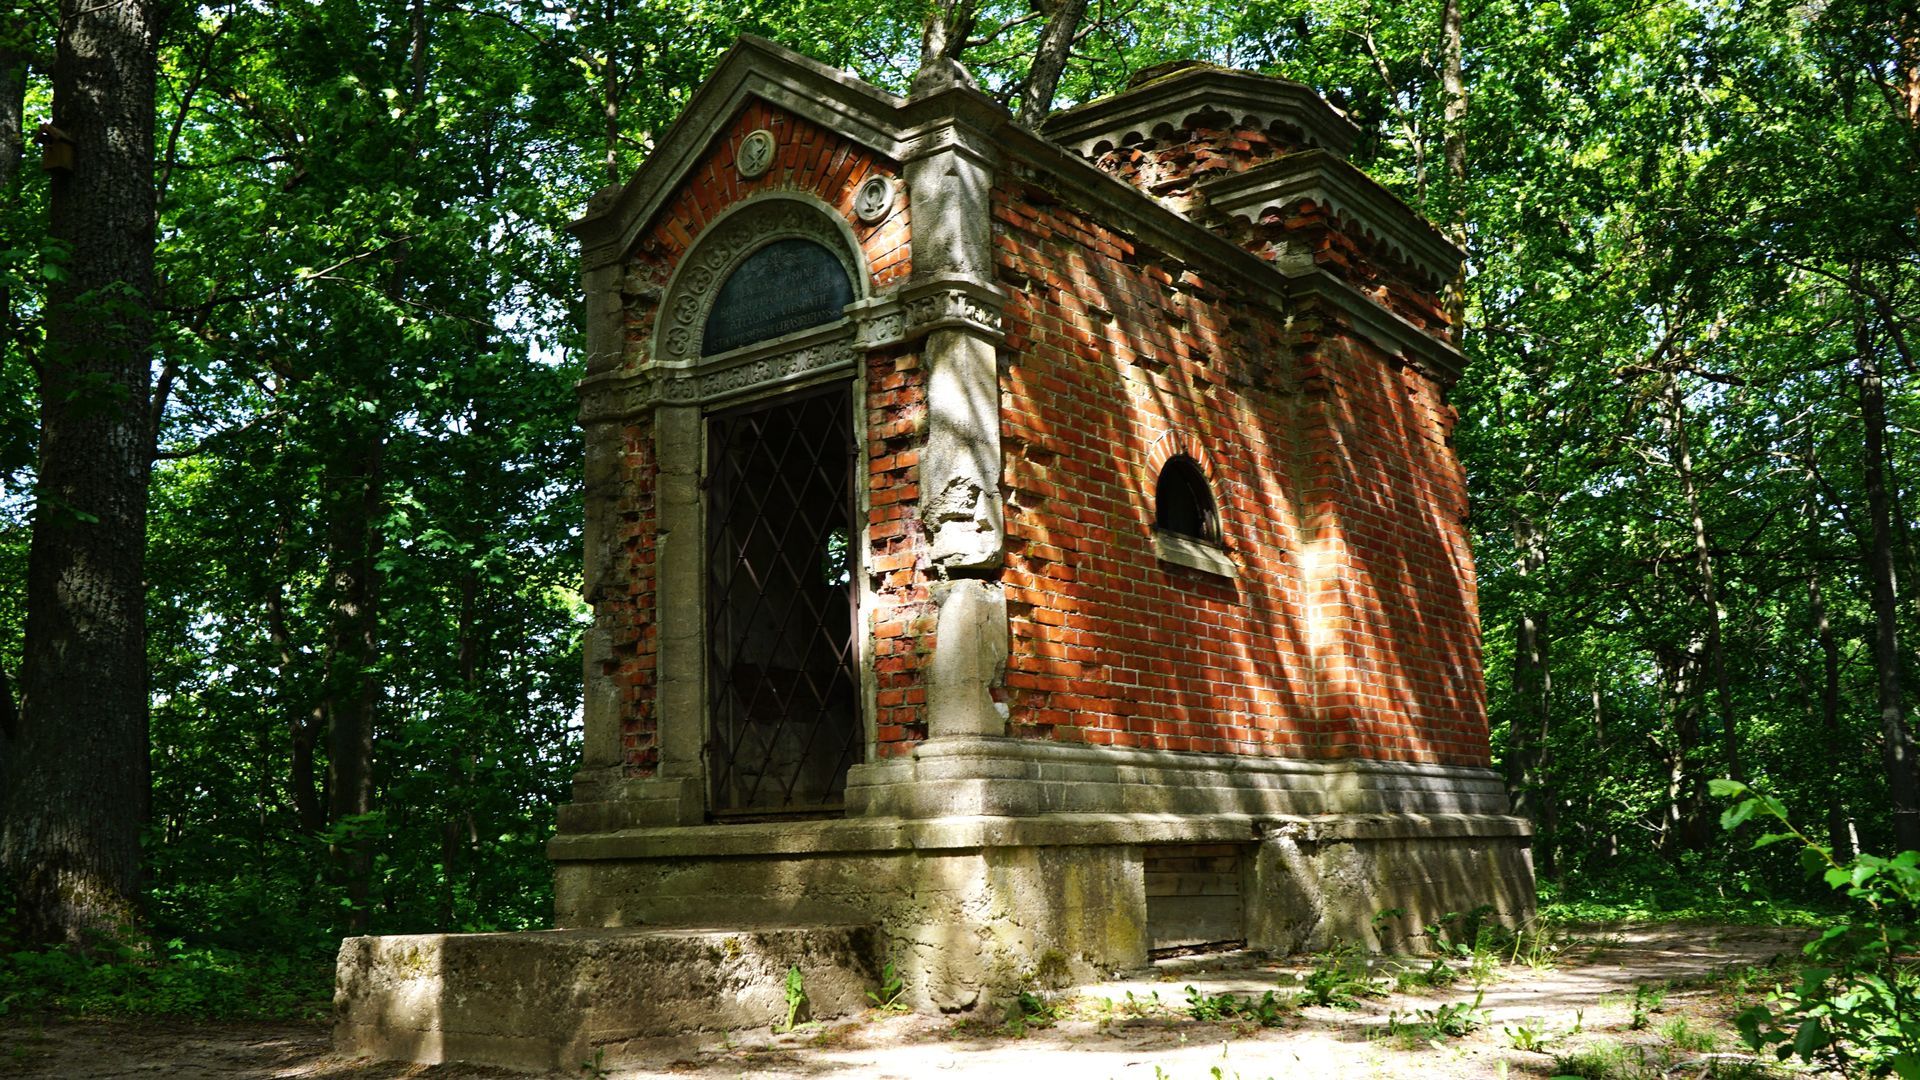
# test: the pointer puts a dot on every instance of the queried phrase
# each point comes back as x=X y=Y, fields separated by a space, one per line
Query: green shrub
x=172 y=980
x=1856 y=1005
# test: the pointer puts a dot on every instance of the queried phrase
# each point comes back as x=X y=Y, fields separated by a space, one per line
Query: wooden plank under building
x=1194 y=895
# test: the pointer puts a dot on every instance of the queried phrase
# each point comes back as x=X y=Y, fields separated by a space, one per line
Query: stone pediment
x=753 y=68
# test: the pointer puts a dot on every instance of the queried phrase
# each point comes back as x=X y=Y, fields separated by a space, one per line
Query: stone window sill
x=1193 y=554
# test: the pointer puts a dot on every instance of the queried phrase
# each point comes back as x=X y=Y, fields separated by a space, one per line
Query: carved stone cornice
x=770 y=365
x=1362 y=206
x=1195 y=95
x=954 y=301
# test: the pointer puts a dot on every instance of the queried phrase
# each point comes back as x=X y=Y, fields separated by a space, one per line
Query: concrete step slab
x=555 y=999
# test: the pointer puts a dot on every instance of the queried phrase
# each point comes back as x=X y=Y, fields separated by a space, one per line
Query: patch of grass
x=1604 y=1061
x=1268 y=1010
x=1618 y=1061
x=1437 y=975
x=1658 y=891
x=1685 y=1036
x=1429 y=1026
x=1341 y=976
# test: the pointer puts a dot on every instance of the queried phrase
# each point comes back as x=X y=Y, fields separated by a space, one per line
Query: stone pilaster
x=953 y=299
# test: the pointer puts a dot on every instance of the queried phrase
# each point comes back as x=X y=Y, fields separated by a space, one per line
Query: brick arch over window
x=744 y=229
x=1181 y=443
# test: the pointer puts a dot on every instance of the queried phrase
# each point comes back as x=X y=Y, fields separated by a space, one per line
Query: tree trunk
x=949 y=22
x=1050 y=57
x=78 y=796
x=1685 y=827
x=13 y=147
x=1831 y=737
x=1602 y=744
x=611 y=92
x=1896 y=744
x=13 y=115
x=1453 y=88
x=1716 y=657
x=1533 y=686
x=351 y=691
x=304 y=722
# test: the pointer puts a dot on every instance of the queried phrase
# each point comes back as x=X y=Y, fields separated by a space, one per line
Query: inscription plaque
x=786 y=286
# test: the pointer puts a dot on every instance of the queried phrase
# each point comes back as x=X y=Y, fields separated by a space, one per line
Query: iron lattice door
x=783 y=686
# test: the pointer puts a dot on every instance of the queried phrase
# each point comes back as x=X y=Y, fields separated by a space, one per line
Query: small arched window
x=1183 y=503
x=1186 y=523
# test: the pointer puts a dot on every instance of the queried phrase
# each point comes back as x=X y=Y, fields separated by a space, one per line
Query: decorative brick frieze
x=1199 y=96
x=1356 y=207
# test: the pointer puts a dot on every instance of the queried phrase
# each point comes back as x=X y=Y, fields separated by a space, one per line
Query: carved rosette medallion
x=875 y=199
x=755 y=155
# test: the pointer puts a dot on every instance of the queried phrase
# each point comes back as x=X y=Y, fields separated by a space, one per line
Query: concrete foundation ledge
x=973 y=832
x=554 y=999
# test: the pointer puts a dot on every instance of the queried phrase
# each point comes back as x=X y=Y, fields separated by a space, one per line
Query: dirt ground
x=1580 y=1002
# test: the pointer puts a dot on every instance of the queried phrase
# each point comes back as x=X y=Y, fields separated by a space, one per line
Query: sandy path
x=1593 y=978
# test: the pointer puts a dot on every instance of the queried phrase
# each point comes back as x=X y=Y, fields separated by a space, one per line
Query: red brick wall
x=903 y=614
x=1350 y=631
x=823 y=164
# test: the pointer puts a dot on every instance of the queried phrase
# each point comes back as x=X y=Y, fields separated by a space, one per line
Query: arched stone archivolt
x=1179 y=442
x=741 y=230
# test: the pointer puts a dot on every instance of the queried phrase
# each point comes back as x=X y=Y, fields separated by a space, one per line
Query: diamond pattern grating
x=783 y=682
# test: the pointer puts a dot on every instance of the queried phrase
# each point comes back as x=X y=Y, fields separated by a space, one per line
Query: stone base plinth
x=971 y=909
x=556 y=999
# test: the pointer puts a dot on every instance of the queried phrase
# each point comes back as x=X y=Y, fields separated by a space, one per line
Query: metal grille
x=783 y=687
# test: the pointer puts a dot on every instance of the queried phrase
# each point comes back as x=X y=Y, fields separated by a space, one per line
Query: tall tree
x=77 y=790
x=1050 y=55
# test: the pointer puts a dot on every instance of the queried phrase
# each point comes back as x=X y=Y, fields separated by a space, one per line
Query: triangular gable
x=753 y=68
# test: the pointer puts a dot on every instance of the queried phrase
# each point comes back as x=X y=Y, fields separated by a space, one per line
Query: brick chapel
x=1047 y=547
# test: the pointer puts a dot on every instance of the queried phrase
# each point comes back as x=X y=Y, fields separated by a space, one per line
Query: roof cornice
x=1255 y=100
x=1177 y=235
x=1359 y=201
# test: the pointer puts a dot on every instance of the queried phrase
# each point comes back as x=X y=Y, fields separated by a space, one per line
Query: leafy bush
x=1856 y=1005
x=173 y=980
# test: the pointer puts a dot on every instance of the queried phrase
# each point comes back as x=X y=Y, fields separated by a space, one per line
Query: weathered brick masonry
x=1350 y=630
x=1053 y=692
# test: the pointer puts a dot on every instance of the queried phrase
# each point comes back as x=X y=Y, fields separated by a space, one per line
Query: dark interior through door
x=782 y=680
